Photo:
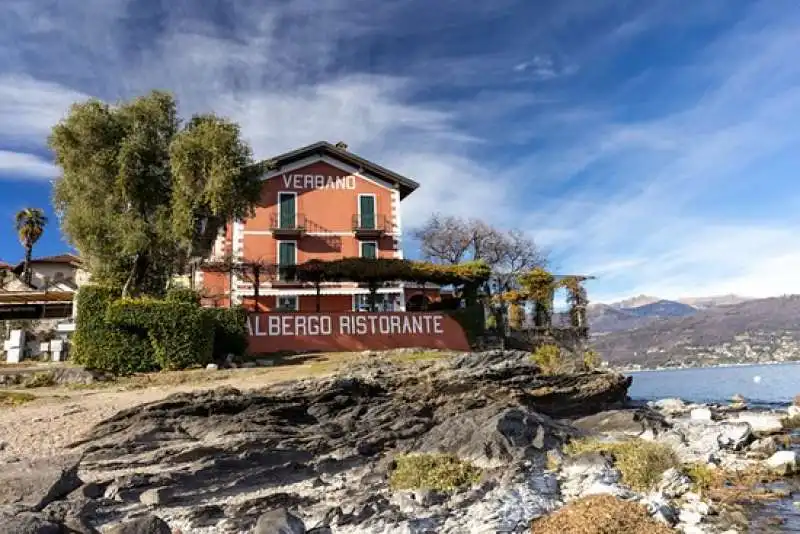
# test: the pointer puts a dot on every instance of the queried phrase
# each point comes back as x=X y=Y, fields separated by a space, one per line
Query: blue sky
x=652 y=144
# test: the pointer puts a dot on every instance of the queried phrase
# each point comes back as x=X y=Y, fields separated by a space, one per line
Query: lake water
x=765 y=385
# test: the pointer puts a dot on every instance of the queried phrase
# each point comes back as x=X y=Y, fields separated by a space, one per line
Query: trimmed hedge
x=182 y=335
x=100 y=345
x=183 y=294
x=126 y=336
x=230 y=331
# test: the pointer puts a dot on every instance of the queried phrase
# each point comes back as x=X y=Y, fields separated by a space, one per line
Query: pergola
x=35 y=304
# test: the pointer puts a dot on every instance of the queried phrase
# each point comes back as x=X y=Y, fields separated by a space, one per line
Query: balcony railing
x=369 y=225
x=285 y=225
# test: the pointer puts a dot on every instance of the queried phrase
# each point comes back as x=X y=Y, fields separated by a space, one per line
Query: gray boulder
x=674 y=484
x=28 y=523
x=148 y=524
x=37 y=483
x=623 y=423
x=279 y=521
x=762 y=423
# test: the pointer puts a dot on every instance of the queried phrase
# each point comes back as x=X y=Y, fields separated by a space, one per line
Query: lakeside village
x=204 y=259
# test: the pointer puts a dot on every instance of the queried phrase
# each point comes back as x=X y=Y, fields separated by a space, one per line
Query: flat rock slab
x=37 y=483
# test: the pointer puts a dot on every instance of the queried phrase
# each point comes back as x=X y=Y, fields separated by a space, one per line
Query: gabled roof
x=323 y=148
x=65 y=259
x=5 y=266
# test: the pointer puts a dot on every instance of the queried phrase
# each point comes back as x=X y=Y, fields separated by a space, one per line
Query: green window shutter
x=286 y=253
x=369 y=250
x=288 y=210
x=367 y=211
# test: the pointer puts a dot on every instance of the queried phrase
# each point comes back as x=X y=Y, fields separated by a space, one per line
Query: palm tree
x=30 y=226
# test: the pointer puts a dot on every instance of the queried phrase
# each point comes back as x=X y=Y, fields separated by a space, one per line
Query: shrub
x=230 y=331
x=183 y=294
x=600 y=514
x=591 y=360
x=181 y=334
x=641 y=462
x=40 y=380
x=548 y=358
x=99 y=345
x=797 y=400
x=471 y=319
x=442 y=472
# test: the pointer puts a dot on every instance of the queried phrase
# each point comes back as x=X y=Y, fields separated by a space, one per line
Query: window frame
x=374 y=211
x=278 y=243
x=361 y=248
x=278 y=303
x=280 y=215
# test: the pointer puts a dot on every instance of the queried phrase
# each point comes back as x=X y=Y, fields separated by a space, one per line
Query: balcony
x=287 y=226
x=371 y=226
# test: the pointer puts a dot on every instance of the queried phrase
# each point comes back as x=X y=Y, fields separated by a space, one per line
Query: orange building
x=320 y=202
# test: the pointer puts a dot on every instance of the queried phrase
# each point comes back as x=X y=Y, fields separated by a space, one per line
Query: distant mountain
x=711 y=302
x=663 y=308
x=635 y=302
x=757 y=330
x=605 y=318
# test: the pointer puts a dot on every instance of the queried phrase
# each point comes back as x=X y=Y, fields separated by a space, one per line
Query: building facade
x=320 y=202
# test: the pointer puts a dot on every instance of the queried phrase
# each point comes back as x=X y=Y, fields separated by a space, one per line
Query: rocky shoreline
x=318 y=455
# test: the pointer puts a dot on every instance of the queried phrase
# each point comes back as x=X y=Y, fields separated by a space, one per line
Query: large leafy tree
x=30 y=223
x=143 y=192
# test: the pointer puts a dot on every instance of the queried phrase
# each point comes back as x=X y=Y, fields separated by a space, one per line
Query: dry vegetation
x=730 y=486
x=14 y=398
x=442 y=472
x=641 y=462
x=602 y=514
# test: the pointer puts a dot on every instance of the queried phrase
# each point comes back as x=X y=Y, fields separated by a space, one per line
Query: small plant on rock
x=548 y=358
x=441 y=472
x=591 y=360
x=641 y=462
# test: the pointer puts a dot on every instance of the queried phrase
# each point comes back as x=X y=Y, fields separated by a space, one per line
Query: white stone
x=212 y=367
x=734 y=436
x=762 y=423
x=670 y=406
x=660 y=509
x=701 y=414
x=674 y=483
x=784 y=462
x=794 y=411
x=690 y=517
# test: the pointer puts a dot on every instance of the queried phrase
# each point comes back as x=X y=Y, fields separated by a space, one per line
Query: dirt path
x=60 y=416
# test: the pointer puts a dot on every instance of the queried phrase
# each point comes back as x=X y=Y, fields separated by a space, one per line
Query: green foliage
x=10 y=399
x=183 y=294
x=140 y=192
x=591 y=360
x=40 y=380
x=99 y=345
x=30 y=223
x=472 y=320
x=641 y=462
x=701 y=475
x=182 y=334
x=548 y=358
x=442 y=472
x=491 y=322
x=230 y=331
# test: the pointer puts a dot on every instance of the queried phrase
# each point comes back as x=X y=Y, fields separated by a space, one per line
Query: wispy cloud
x=626 y=157
x=26 y=166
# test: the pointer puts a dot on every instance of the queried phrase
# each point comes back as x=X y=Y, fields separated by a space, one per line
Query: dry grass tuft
x=442 y=472
x=732 y=486
x=423 y=356
x=40 y=380
x=9 y=399
x=641 y=462
x=601 y=514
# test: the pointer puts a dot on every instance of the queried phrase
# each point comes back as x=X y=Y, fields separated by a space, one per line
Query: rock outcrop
x=217 y=461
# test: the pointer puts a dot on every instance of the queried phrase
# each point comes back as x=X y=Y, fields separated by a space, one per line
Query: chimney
x=341 y=145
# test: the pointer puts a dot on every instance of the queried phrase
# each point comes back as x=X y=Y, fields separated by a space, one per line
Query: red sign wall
x=335 y=332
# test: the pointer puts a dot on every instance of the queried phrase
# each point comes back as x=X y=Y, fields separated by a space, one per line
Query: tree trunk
x=319 y=299
x=373 y=297
x=28 y=277
x=256 y=287
x=230 y=287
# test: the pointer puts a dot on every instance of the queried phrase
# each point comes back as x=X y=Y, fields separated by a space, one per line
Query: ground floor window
x=383 y=302
x=287 y=303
